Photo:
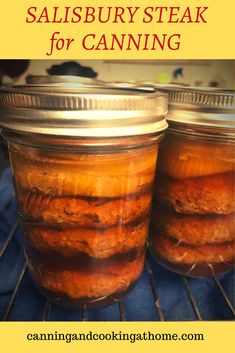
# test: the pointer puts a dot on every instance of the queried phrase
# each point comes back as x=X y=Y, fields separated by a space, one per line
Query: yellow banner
x=140 y=29
x=185 y=337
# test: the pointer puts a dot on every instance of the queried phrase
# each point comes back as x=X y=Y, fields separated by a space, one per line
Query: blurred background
x=215 y=73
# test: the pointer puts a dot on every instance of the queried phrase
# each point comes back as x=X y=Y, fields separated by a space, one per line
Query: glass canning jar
x=193 y=214
x=83 y=158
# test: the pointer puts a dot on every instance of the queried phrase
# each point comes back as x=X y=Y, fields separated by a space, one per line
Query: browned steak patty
x=201 y=195
x=193 y=229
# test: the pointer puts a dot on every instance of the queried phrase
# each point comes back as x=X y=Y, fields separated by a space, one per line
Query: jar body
x=84 y=207
x=193 y=216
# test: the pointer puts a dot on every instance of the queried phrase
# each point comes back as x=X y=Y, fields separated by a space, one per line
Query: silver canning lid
x=209 y=109
x=58 y=79
x=74 y=109
x=163 y=86
x=131 y=85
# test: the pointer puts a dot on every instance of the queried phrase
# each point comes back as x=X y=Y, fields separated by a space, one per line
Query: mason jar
x=83 y=159
x=193 y=215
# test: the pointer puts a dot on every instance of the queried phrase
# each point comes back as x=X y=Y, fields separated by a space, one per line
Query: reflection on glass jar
x=193 y=216
x=84 y=204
